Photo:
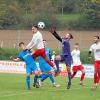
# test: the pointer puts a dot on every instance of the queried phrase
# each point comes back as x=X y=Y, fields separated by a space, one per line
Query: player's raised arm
x=31 y=44
x=90 y=51
x=16 y=59
x=53 y=31
x=89 y=54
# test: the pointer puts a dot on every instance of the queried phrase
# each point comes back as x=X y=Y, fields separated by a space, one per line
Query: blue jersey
x=66 y=47
x=26 y=56
x=30 y=63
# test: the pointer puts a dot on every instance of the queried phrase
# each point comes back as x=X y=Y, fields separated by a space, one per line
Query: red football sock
x=95 y=78
x=98 y=77
x=82 y=77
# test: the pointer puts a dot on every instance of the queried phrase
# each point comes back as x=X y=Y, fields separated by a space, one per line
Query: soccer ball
x=41 y=25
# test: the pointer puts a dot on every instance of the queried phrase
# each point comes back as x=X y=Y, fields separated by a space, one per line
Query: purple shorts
x=66 y=59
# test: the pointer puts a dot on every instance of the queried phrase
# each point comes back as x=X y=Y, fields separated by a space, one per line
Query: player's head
x=44 y=42
x=22 y=45
x=96 y=39
x=76 y=46
x=34 y=29
x=69 y=36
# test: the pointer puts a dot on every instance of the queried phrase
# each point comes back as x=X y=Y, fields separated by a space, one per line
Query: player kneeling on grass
x=77 y=65
x=30 y=63
x=46 y=69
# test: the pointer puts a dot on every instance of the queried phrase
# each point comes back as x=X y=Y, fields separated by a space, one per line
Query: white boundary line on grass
x=29 y=92
x=14 y=94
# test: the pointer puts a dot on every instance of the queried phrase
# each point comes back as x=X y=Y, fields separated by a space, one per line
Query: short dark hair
x=21 y=43
x=35 y=26
x=71 y=36
x=97 y=37
x=44 y=40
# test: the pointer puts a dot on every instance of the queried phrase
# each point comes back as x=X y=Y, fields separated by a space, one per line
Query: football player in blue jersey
x=26 y=56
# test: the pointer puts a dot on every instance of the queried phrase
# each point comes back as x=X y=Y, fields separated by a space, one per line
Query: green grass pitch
x=13 y=87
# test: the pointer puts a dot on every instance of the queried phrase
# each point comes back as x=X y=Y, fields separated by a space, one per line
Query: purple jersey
x=66 y=47
x=66 y=53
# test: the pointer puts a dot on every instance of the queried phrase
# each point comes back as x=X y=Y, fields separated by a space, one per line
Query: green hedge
x=6 y=53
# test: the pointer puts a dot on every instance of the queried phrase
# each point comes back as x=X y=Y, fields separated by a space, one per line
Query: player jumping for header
x=37 y=42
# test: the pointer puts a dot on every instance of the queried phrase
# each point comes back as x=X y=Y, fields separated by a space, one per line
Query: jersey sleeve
x=33 y=42
x=50 y=55
x=91 y=48
x=72 y=53
x=55 y=34
x=19 y=56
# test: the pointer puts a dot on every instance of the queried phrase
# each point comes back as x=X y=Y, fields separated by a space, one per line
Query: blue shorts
x=66 y=59
x=31 y=67
x=45 y=67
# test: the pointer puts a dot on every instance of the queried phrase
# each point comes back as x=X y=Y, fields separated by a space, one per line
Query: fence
x=11 y=38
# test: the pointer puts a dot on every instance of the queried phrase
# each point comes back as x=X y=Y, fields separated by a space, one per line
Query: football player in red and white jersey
x=95 y=48
x=77 y=65
x=37 y=43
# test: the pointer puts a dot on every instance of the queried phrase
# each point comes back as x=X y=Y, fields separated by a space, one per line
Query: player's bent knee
x=83 y=72
x=57 y=58
x=28 y=75
x=36 y=72
x=68 y=69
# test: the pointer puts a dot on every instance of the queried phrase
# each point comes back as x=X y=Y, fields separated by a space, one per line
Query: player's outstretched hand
x=53 y=30
x=14 y=59
x=89 y=57
x=11 y=57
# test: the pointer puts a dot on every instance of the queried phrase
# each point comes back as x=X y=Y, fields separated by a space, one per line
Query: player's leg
x=59 y=57
x=69 y=77
x=28 y=71
x=36 y=72
x=98 y=75
x=57 y=66
x=41 y=52
x=45 y=69
x=98 y=72
x=95 y=78
x=35 y=82
x=73 y=75
x=28 y=81
x=68 y=64
x=81 y=68
x=74 y=71
x=44 y=77
x=40 y=82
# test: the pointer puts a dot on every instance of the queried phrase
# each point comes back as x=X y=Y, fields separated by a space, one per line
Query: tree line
x=22 y=14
